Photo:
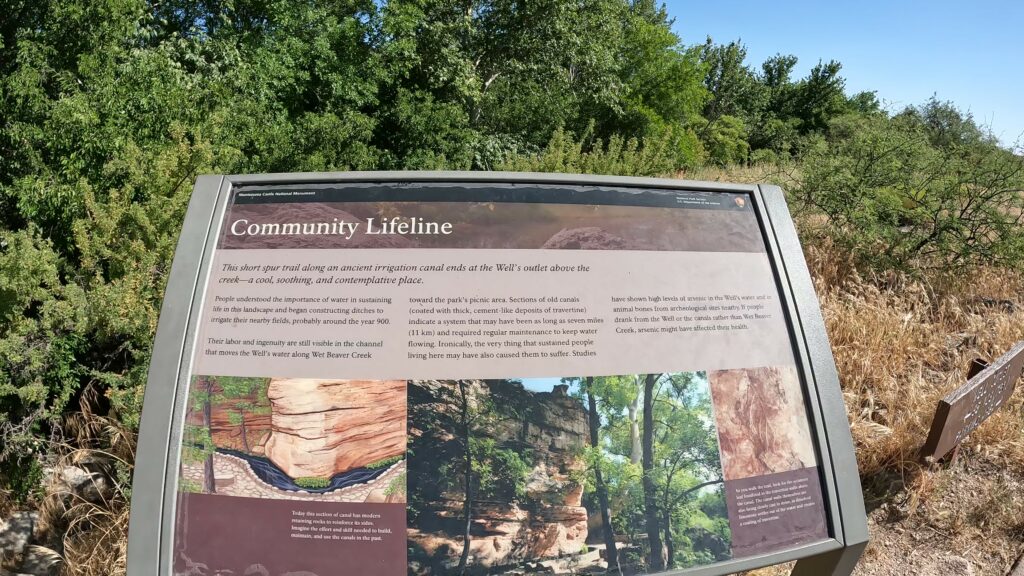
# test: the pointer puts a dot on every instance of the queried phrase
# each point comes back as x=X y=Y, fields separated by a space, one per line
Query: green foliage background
x=109 y=109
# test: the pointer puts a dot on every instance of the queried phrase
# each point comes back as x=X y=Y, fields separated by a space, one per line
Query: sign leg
x=837 y=563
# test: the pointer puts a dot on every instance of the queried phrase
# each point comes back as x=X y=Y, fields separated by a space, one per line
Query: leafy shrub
x=906 y=194
x=314 y=482
x=385 y=463
x=42 y=331
x=726 y=142
x=587 y=155
x=397 y=485
x=23 y=477
x=190 y=486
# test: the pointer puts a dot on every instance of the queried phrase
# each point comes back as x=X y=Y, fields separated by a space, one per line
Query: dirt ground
x=970 y=523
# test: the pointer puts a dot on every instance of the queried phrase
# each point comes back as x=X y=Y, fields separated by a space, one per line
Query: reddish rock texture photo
x=225 y=430
x=323 y=427
x=305 y=429
x=762 y=421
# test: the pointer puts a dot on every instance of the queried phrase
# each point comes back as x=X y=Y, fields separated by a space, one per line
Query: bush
x=587 y=155
x=313 y=482
x=42 y=331
x=902 y=193
x=397 y=485
x=385 y=463
x=726 y=141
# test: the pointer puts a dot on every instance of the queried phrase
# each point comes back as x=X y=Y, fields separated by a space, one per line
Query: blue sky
x=971 y=53
x=541 y=384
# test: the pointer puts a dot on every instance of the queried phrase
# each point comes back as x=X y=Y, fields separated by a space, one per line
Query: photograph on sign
x=431 y=379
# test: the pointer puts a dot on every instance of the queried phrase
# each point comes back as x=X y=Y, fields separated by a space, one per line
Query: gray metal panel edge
x=496 y=177
x=184 y=378
x=727 y=567
x=152 y=450
x=853 y=518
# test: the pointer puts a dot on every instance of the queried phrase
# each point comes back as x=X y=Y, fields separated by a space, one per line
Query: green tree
x=594 y=426
x=483 y=468
x=679 y=460
x=670 y=491
x=662 y=93
x=819 y=98
x=42 y=331
x=198 y=444
x=502 y=67
x=685 y=449
x=466 y=422
x=924 y=190
x=656 y=554
x=776 y=126
x=737 y=97
x=727 y=142
x=244 y=397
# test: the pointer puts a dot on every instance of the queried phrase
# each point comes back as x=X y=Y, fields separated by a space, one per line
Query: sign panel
x=442 y=376
x=964 y=409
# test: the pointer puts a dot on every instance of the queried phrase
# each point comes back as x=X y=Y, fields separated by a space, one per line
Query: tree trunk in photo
x=468 y=505
x=666 y=514
x=634 y=426
x=245 y=434
x=656 y=559
x=670 y=545
x=611 y=551
x=209 y=482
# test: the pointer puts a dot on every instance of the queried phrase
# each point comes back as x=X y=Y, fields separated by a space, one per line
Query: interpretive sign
x=491 y=373
x=964 y=409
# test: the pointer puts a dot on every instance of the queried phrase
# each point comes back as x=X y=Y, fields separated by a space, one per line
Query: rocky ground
x=961 y=520
x=28 y=544
x=235 y=478
x=970 y=524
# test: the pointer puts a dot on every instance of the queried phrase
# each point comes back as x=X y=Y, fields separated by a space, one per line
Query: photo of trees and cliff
x=295 y=438
x=571 y=475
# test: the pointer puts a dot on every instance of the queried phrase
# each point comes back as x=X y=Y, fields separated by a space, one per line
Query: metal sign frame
x=154 y=489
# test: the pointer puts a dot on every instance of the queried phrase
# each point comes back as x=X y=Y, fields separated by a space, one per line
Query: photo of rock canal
x=296 y=439
x=561 y=475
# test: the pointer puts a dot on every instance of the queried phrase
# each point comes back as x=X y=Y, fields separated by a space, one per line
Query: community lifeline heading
x=412 y=226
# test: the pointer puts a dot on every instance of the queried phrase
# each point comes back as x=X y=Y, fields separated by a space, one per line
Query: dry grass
x=901 y=345
x=96 y=538
x=92 y=532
